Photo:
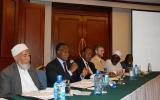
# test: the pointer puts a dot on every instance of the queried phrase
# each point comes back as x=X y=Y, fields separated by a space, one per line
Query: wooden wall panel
x=97 y=32
x=34 y=32
x=5 y=62
x=0 y=18
x=71 y=23
x=68 y=29
x=21 y=22
x=9 y=31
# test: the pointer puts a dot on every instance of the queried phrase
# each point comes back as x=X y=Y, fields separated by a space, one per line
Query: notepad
x=42 y=94
x=84 y=84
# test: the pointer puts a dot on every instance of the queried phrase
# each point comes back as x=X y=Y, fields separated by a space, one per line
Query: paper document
x=84 y=84
x=77 y=92
x=42 y=94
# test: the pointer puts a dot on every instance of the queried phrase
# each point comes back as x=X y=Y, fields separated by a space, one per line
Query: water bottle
x=106 y=80
x=59 y=89
x=132 y=74
x=98 y=82
x=149 y=67
x=136 y=71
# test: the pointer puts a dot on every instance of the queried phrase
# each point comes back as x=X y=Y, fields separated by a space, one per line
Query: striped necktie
x=65 y=66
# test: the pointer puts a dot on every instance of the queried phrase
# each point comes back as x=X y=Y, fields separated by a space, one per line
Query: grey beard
x=24 y=66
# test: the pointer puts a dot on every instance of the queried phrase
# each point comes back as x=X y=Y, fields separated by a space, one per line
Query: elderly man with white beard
x=19 y=77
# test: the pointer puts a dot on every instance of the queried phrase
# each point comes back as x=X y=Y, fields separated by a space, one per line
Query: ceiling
x=152 y=2
x=145 y=2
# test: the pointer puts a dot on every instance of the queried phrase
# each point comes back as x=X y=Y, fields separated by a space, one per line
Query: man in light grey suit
x=19 y=77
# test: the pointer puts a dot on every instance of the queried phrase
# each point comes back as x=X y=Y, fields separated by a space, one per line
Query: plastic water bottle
x=98 y=82
x=106 y=79
x=59 y=89
x=136 y=71
x=132 y=73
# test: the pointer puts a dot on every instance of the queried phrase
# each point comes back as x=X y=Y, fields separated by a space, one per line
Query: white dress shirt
x=113 y=68
x=61 y=62
x=26 y=81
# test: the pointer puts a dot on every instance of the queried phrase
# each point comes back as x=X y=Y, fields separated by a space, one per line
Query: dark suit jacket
x=125 y=64
x=10 y=81
x=81 y=66
x=53 y=69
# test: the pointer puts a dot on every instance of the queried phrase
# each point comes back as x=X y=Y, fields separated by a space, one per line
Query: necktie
x=65 y=66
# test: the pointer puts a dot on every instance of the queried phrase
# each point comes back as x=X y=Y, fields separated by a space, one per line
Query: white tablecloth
x=148 y=91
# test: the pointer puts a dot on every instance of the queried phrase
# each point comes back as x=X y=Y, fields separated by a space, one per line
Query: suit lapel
x=89 y=65
x=17 y=84
x=34 y=77
x=60 y=67
x=82 y=63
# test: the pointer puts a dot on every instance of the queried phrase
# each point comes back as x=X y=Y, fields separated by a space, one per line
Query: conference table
x=146 y=87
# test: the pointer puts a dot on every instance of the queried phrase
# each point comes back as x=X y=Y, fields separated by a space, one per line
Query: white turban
x=17 y=49
x=117 y=52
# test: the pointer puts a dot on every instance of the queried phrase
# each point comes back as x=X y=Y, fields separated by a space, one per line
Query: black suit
x=55 y=68
x=81 y=66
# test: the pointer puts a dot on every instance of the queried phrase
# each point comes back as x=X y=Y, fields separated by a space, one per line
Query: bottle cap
x=59 y=78
x=97 y=72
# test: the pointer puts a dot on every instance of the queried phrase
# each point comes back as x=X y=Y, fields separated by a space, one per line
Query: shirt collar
x=19 y=68
x=61 y=61
x=99 y=59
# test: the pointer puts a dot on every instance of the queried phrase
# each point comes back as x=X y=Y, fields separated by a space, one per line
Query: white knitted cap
x=17 y=49
x=117 y=52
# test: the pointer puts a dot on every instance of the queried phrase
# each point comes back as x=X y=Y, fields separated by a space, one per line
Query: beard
x=24 y=66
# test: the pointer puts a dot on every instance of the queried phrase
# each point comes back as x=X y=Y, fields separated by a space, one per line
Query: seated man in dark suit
x=85 y=67
x=19 y=77
x=128 y=62
x=60 y=65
